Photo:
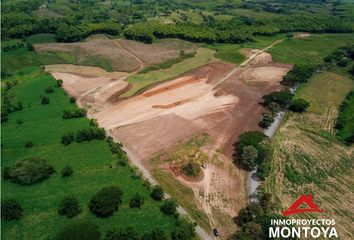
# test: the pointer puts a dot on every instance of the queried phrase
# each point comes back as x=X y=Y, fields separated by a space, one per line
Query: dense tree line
x=345 y=120
x=82 y=135
x=74 y=113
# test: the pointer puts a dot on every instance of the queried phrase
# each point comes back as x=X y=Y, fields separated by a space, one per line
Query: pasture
x=93 y=164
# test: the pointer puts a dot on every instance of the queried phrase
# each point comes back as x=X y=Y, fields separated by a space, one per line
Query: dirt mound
x=263 y=58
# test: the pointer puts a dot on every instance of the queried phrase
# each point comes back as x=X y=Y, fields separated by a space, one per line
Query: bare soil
x=168 y=114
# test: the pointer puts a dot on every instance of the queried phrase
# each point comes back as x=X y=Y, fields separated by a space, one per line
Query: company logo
x=302 y=228
x=303 y=199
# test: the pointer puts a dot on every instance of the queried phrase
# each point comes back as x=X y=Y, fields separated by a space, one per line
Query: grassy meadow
x=91 y=162
x=141 y=81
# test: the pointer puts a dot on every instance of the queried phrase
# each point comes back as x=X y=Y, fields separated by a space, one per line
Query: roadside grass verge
x=93 y=163
x=202 y=57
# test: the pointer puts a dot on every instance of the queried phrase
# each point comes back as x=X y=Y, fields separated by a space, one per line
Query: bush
x=79 y=230
x=128 y=233
x=11 y=210
x=28 y=171
x=106 y=202
x=67 y=171
x=169 y=207
x=90 y=134
x=136 y=201
x=157 y=193
x=49 y=90
x=72 y=100
x=299 y=105
x=185 y=230
x=19 y=121
x=156 y=234
x=267 y=120
x=69 y=207
x=29 y=144
x=67 y=138
x=74 y=113
x=59 y=83
x=191 y=169
x=45 y=100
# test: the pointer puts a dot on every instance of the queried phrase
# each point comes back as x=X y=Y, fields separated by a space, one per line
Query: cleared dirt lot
x=168 y=114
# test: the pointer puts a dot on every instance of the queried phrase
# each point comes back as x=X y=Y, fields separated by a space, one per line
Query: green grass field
x=17 y=59
x=44 y=126
x=309 y=50
x=41 y=38
x=141 y=81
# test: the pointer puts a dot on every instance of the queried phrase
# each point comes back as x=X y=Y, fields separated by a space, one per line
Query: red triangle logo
x=303 y=199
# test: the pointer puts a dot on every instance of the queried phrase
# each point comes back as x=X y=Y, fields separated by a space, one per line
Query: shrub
x=45 y=100
x=79 y=230
x=128 y=233
x=29 y=144
x=74 y=113
x=106 y=202
x=93 y=122
x=67 y=171
x=156 y=234
x=136 y=201
x=185 y=230
x=49 y=90
x=69 y=207
x=19 y=122
x=90 y=134
x=299 y=105
x=169 y=207
x=72 y=100
x=59 y=83
x=157 y=193
x=28 y=171
x=11 y=210
x=67 y=138
x=191 y=169
x=267 y=120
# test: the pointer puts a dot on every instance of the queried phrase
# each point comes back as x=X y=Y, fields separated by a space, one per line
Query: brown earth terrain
x=122 y=55
x=215 y=99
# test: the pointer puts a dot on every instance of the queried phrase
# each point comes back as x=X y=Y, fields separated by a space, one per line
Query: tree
x=128 y=233
x=79 y=230
x=248 y=214
x=45 y=100
x=67 y=171
x=185 y=230
x=267 y=120
x=104 y=203
x=249 y=157
x=30 y=47
x=157 y=193
x=273 y=107
x=60 y=83
x=72 y=99
x=69 y=207
x=28 y=171
x=156 y=234
x=11 y=209
x=29 y=144
x=282 y=98
x=299 y=105
x=67 y=138
x=191 y=169
x=136 y=201
x=169 y=207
